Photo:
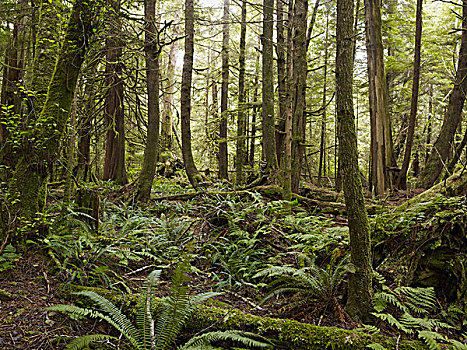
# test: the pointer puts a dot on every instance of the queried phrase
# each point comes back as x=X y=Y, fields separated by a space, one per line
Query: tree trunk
x=185 y=97
x=84 y=134
x=269 y=140
x=299 y=90
x=240 y=155
x=359 y=294
x=381 y=139
x=251 y=153
x=151 y=152
x=402 y=178
x=223 y=155
x=281 y=81
x=441 y=149
x=114 y=163
x=26 y=190
x=322 y=147
x=166 y=132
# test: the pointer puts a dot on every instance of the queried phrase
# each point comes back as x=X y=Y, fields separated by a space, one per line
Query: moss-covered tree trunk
x=269 y=137
x=299 y=89
x=185 y=97
x=440 y=152
x=26 y=192
x=114 y=163
x=240 y=154
x=359 y=294
x=151 y=151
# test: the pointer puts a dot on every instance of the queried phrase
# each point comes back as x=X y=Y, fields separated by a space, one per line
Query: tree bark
x=299 y=89
x=251 y=152
x=114 y=164
x=436 y=162
x=223 y=155
x=281 y=81
x=240 y=155
x=381 y=139
x=151 y=151
x=402 y=178
x=359 y=295
x=185 y=97
x=269 y=140
x=26 y=190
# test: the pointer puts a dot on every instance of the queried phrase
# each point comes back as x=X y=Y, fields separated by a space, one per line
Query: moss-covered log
x=285 y=334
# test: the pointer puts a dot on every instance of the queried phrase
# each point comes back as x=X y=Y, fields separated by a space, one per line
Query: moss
x=285 y=334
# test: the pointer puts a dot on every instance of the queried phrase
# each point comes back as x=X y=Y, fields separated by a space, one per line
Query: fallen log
x=285 y=334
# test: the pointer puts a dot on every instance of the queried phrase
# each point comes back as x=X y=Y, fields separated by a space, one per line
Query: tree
x=151 y=151
x=114 y=165
x=26 y=189
x=381 y=138
x=269 y=141
x=223 y=155
x=402 y=177
x=240 y=155
x=359 y=294
x=440 y=152
x=185 y=97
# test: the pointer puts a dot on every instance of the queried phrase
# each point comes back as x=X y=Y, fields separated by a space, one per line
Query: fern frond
x=83 y=342
x=144 y=318
x=457 y=345
x=375 y=346
x=391 y=320
x=430 y=338
x=244 y=338
x=116 y=318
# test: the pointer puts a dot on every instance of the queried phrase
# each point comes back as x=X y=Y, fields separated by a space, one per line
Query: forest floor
x=35 y=282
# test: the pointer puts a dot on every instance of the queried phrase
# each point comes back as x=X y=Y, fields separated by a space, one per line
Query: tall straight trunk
x=84 y=134
x=185 y=97
x=151 y=151
x=251 y=153
x=359 y=295
x=223 y=155
x=166 y=131
x=402 y=178
x=26 y=189
x=428 y=124
x=114 y=163
x=436 y=162
x=269 y=140
x=241 y=121
x=298 y=94
x=281 y=81
x=312 y=23
x=322 y=147
x=381 y=140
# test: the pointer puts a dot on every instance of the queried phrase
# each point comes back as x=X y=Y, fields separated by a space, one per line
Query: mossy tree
x=359 y=294
x=26 y=189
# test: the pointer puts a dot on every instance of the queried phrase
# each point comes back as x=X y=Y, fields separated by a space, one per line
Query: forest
x=233 y=175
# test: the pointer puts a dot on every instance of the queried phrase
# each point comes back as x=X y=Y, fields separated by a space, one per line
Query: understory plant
x=409 y=311
x=159 y=334
x=309 y=281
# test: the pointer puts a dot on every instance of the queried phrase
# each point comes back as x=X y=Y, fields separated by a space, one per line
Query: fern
x=245 y=338
x=85 y=341
x=376 y=346
x=431 y=338
x=144 y=318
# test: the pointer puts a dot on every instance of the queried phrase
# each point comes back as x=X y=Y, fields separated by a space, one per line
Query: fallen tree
x=285 y=334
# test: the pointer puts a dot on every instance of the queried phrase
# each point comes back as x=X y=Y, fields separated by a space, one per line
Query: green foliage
x=8 y=258
x=149 y=334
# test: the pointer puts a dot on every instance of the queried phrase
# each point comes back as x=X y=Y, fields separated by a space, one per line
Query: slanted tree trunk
x=114 y=163
x=223 y=155
x=269 y=140
x=299 y=89
x=151 y=151
x=240 y=155
x=26 y=191
x=381 y=139
x=436 y=162
x=359 y=295
x=185 y=97
x=402 y=177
